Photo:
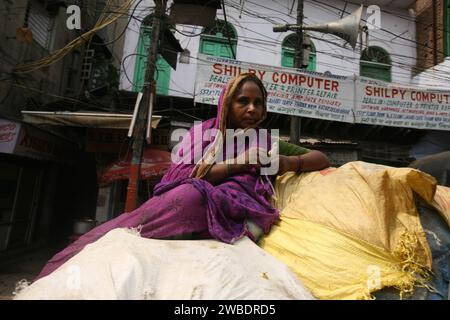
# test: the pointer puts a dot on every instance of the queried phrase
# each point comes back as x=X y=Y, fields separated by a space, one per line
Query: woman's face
x=247 y=107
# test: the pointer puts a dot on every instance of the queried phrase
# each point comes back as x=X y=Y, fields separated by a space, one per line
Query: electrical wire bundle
x=104 y=20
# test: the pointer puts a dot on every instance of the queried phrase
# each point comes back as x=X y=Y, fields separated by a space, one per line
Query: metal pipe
x=148 y=135
x=135 y=112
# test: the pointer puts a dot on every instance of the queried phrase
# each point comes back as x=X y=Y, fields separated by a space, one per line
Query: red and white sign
x=290 y=91
x=381 y=103
x=9 y=131
x=155 y=164
x=336 y=98
x=23 y=140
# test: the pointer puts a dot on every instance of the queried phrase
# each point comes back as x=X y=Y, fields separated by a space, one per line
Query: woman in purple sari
x=208 y=198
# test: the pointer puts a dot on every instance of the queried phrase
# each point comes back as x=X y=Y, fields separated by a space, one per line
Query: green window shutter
x=287 y=57
x=375 y=63
x=162 y=76
x=163 y=69
x=139 y=72
x=312 y=62
x=374 y=71
x=214 y=40
x=216 y=47
x=209 y=47
x=225 y=51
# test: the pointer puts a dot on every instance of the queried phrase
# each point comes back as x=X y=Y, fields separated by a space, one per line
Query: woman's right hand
x=246 y=161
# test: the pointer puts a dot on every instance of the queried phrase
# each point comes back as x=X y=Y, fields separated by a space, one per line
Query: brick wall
x=440 y=30
x=430 y=33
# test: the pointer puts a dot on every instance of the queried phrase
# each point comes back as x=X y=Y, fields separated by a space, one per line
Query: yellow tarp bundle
x=350 y=231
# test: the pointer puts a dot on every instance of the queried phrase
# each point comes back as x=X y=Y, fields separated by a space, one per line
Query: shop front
x=28 y=168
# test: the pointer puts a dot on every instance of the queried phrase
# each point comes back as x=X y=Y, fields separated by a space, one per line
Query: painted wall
x=436 y=77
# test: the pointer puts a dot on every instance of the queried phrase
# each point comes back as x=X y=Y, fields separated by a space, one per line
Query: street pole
x=298 y=63
x=144 y=106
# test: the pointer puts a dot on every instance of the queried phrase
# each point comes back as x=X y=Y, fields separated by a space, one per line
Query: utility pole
x=149 y=91
x=298 y=63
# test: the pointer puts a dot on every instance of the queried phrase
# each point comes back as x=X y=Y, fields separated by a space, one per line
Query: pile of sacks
x=351 y=231
x=344 y=233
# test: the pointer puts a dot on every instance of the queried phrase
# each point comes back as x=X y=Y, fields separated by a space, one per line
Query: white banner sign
x=380 y=103
x=290 y=92
x=314 y=95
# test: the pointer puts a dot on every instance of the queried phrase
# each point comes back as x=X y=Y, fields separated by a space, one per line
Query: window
x=288 y=53
x=40 y=22
x=214 y=40
x=375 y=63
x=162 y=71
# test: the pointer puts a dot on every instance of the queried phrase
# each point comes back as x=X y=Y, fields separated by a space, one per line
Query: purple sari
x=184 y=205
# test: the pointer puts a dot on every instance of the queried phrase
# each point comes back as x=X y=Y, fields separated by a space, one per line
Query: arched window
x=375 y=63
x=214 y=40
x=288 y=53
x=163 y=69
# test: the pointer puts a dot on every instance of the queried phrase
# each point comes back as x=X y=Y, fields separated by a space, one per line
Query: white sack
x=123 y=265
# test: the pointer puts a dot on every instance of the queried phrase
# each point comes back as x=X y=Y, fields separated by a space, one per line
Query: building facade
x=407 y=44
x=250 y=29
x=390 y=54
x=433 y=65
x=46 y=177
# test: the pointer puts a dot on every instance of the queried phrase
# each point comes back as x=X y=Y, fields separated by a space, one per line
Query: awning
x=83 y=119
x=154 y=164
